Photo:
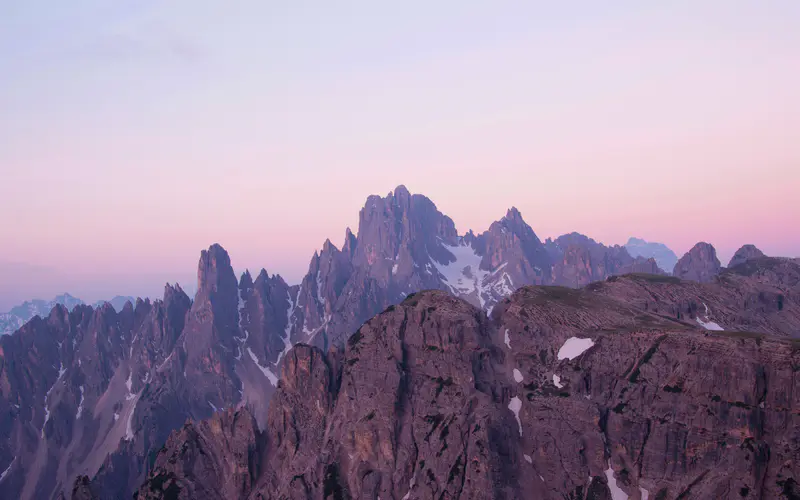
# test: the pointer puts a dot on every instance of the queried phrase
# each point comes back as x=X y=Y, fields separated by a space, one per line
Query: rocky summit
x=698 y=264
x=529 y=369
x=745 y=253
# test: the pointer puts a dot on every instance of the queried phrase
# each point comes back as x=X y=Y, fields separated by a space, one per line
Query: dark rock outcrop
x=698 y=264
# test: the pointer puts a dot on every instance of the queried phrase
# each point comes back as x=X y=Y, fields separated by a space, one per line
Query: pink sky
x=131 y=139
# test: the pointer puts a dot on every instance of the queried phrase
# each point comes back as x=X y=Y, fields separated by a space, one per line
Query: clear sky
x=135 y=133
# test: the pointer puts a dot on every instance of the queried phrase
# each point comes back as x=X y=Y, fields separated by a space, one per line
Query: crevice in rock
x=685 y=493
x=640 y=458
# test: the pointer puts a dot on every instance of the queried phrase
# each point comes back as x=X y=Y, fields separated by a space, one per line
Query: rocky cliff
x=560 y=393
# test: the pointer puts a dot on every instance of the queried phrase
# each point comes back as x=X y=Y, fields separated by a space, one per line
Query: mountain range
x=12 y=320
x=258 y=389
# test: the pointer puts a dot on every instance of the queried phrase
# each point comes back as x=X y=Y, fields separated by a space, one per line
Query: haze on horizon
x=135 y=134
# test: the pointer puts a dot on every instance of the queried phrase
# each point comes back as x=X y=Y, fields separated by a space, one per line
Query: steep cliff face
x=559 y=394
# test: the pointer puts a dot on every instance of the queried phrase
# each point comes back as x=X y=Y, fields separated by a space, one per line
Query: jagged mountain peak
x=513 y=214
x=350 y=243
x=262 y=275
x=401 y=191
x=214 y=270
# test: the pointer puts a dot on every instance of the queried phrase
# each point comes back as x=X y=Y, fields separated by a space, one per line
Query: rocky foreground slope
x=559 y=393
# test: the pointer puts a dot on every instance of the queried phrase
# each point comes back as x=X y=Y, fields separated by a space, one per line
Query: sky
x=133 y=134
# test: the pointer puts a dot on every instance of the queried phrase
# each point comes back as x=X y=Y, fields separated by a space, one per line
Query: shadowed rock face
x=431 y=398
x=698 y=264
x=745 y=253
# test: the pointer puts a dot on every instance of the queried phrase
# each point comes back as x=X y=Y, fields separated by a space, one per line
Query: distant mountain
x=665 y=258
x=117 y=302
x=19 y=315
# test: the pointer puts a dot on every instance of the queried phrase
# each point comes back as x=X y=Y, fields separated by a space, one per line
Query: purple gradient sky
x=134 y=134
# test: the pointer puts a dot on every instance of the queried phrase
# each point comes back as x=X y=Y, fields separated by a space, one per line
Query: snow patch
x=518 y=376
x=507 y=339
x=116 y=416
x=644 y=493
x=410 y=487
x=320 y=298
x=61 y=371
x=287 y=337
x=528 y=459
x=162 y=365
x=515 y=405
x=80 y=406
x=129 y=385
x=8 y=469
x=129 y=425
x=574 y=347
x=504 y=286
x=464 y=275
x=557 y=381
x=616 y=492
x=273 y=379
x=212 y=406
x=708 y=324
x=499 y=268
x=394 y=268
